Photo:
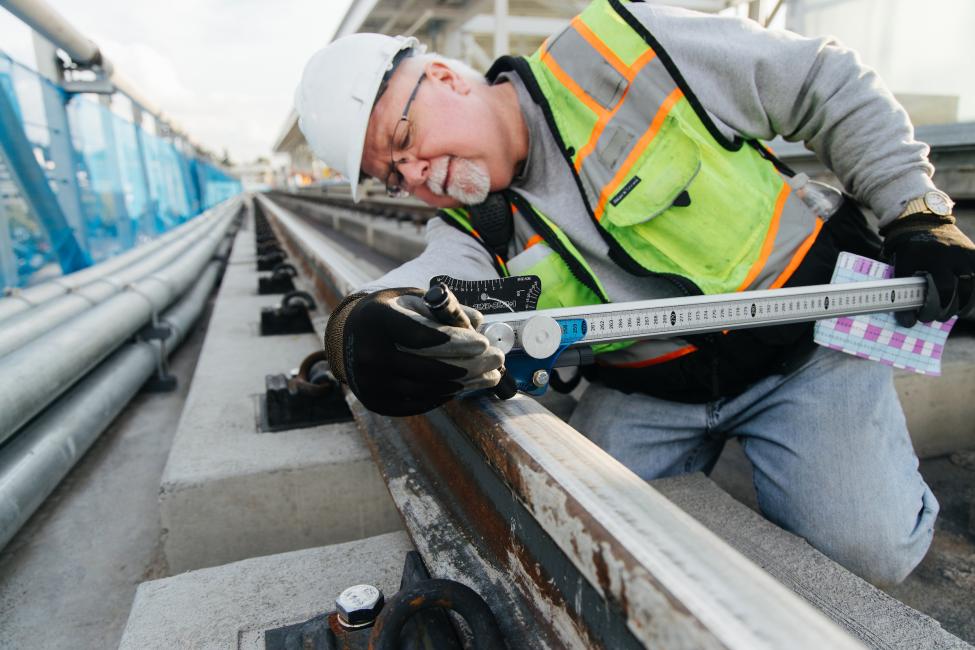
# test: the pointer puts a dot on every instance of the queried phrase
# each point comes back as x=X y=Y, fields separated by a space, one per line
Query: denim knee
x=878 y=549
x=882 y=564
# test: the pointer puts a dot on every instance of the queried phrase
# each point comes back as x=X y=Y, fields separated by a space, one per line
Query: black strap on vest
x=493 y=221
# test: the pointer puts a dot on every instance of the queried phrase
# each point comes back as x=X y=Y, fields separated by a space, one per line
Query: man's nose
x=415 y=172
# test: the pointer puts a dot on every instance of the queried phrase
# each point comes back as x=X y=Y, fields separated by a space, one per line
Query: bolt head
x=540 y=378
x=359 y=605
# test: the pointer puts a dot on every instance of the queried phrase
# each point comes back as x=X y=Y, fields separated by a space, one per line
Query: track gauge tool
x=535 y=342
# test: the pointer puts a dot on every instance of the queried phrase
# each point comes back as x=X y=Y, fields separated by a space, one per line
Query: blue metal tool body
x=523 y=367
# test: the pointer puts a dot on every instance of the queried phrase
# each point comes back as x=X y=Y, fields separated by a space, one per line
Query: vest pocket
x=661 y=174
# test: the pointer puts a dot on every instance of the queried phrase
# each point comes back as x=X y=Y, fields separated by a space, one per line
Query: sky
x=224 y=70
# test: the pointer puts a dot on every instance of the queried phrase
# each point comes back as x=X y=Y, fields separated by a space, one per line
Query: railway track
x=568 y=547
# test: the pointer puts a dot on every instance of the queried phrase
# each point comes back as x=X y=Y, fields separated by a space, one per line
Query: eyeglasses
x=401 y=141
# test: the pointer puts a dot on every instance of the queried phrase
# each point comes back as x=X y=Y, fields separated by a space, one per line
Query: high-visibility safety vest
x=670 y=195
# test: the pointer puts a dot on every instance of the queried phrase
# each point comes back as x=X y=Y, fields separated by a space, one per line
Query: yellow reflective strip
x=799 y=256
x=769 y=242
x=570 y=84
x=598 y=45
x=590 y=146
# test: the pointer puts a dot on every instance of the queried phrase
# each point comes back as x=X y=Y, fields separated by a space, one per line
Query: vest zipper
x=578 y=271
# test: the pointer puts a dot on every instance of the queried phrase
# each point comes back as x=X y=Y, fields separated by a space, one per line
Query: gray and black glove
x=398 y=360
x=932 y=246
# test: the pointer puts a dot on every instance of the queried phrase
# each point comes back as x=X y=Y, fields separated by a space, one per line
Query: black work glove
x=932 y=246
x=398 y=360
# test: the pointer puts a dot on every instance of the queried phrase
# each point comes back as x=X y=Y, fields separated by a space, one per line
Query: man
x=626 y=161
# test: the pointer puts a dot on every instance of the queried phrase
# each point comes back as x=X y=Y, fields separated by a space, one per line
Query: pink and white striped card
x=878 y=337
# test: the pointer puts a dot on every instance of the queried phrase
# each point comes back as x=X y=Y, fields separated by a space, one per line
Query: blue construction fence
x=129 y=183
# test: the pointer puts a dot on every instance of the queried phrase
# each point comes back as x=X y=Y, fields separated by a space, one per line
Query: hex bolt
x=359 y=605
x=540 y=378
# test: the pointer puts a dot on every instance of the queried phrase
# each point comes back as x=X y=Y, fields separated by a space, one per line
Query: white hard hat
x=335 y=96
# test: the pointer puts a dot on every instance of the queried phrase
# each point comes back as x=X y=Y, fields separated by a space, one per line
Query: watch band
x=914 y=206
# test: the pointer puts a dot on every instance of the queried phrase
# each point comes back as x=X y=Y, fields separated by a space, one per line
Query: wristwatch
x=931 y=202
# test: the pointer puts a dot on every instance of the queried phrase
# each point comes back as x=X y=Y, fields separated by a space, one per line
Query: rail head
x=340 y=273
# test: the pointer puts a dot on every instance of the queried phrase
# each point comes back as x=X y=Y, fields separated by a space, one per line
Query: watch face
x=938 y=203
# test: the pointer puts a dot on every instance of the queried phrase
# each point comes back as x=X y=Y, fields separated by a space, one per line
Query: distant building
x=256 y=176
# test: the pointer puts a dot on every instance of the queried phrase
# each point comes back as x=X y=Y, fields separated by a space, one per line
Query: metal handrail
x=47 y=22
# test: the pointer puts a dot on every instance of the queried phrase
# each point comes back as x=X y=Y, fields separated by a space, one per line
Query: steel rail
x=17 y=301
x=568 y=546
x=27 y=326
x=36 y=374
x=389 y=236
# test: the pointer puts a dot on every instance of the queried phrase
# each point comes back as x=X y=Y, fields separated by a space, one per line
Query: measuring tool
x=535 y=342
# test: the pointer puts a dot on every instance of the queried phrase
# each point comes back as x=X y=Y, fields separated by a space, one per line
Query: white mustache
x=438 y=174
x=469 y=182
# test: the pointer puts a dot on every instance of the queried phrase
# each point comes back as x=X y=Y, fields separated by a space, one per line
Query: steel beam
x=61 y=149
x=515 y=25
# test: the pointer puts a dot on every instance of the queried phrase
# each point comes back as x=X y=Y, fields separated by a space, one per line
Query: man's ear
x=442 y=73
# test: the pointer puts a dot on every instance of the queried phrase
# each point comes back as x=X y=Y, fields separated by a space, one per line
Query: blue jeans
x=832 y=458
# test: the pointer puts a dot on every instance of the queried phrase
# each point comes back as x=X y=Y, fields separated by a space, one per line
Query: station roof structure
x=474 y=31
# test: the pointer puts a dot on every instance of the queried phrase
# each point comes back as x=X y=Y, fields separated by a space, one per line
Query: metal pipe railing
x=18 y=301
x=47 y=22
x=36 y=374
x=27 y=326
x=51 y=25
x=33 y=464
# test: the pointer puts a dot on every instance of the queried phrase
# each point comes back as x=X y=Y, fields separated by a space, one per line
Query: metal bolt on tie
x=358 y=606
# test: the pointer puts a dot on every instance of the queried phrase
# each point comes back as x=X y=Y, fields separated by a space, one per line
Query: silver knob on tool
x=500 y=335
x=541 y=336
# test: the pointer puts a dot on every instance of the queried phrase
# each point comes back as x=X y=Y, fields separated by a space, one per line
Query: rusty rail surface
x=568 y=547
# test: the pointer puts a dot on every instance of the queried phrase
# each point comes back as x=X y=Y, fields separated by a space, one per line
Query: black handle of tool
x=445 y=307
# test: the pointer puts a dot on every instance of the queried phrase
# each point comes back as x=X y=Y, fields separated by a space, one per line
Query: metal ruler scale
x=533 y=341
